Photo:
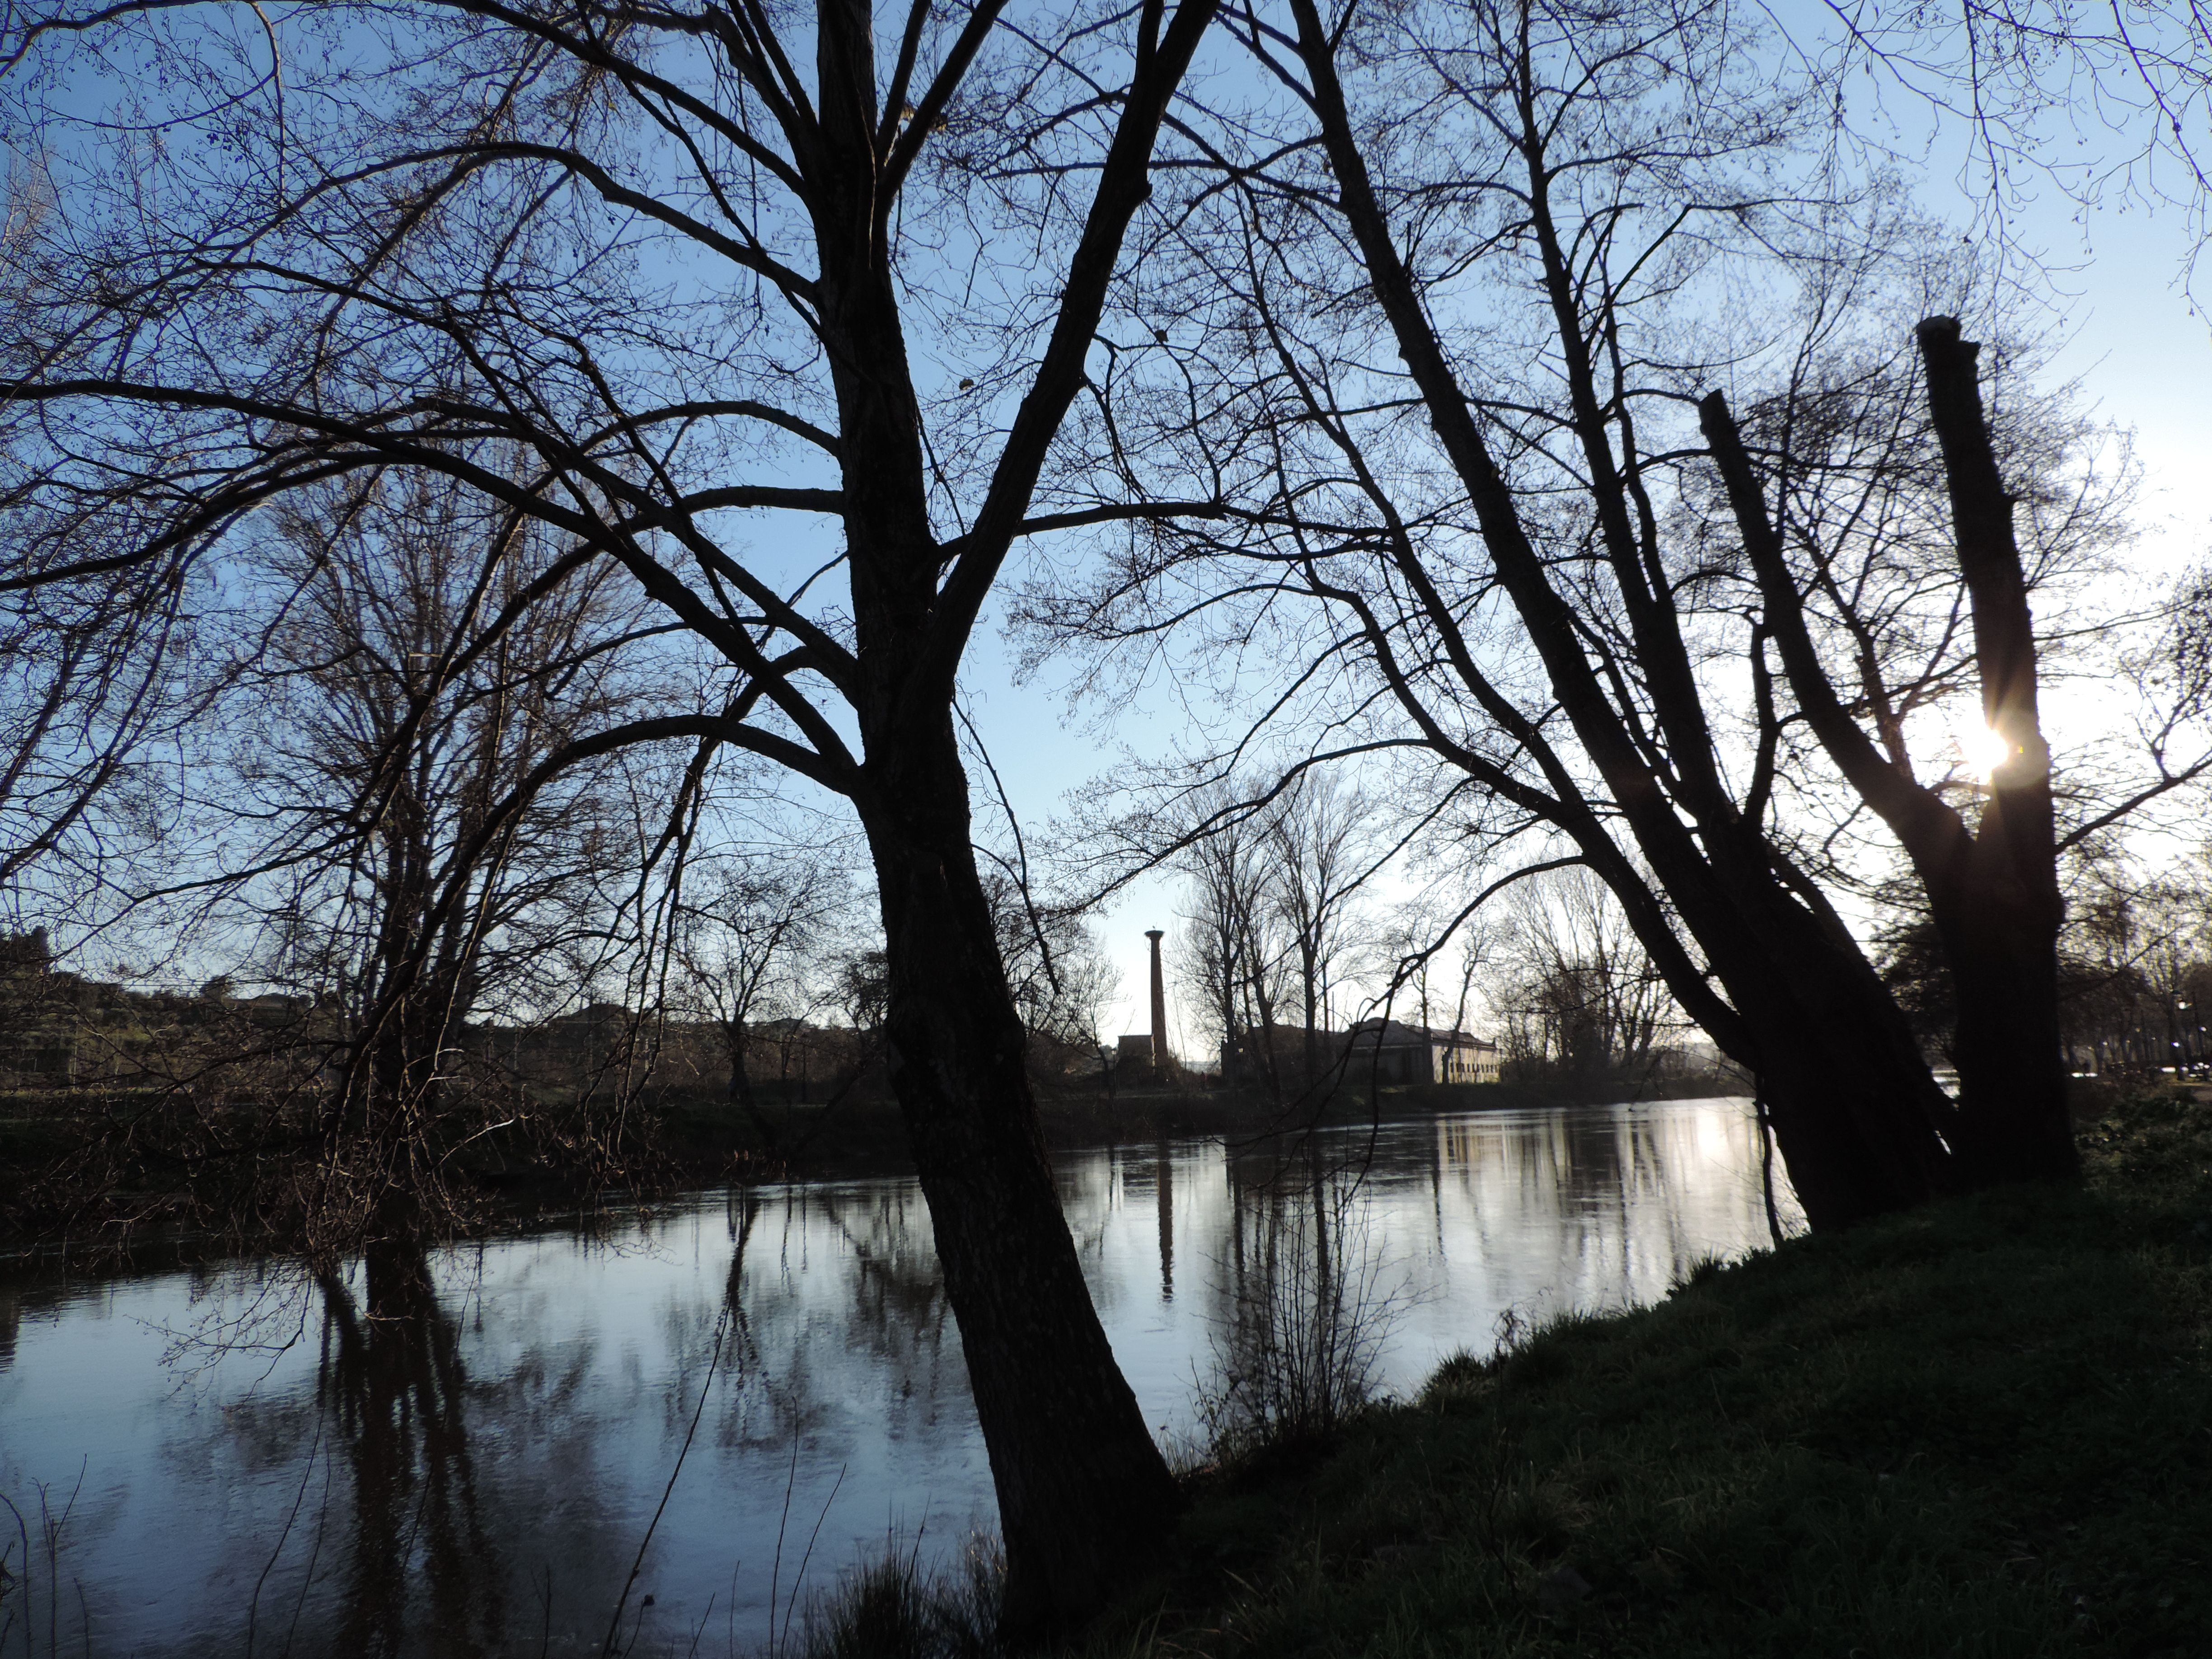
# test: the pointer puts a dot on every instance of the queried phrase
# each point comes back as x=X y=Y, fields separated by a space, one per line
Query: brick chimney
x=1161 y=1063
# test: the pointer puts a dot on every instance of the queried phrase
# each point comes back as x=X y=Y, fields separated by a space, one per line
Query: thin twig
x=800 y=1577
x=776 y=1566
x=614 y=1625
x=254 y=1607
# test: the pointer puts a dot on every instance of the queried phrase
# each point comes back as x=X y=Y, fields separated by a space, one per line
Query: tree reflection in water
x=494 y=1427
x=1304 y=1307
x=392 y=1384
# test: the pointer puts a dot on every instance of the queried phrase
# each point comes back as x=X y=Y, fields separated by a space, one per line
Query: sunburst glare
x=1981 y=750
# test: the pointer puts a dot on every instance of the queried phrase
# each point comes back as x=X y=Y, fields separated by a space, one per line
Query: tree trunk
x=1232 y=1051
x=1309 y=983
x=1993 y=889
x=2014 y=1123
x=740 y=1092
x=1998 y=906
x=1085 y=1498
x=1857 y=1117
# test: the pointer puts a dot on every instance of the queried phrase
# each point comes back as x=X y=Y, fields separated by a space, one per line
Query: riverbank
x=152 y=1175
x=868 y=1136
x=1982 y=1429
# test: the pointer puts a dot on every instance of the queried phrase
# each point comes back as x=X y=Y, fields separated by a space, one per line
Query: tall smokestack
x=1160 y=1061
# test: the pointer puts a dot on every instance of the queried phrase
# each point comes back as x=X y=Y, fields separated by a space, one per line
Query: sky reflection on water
x=460 y=1454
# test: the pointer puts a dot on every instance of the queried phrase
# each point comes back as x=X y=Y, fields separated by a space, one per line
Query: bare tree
x=1493 y=551
x=1319 y=862
x=365 y=737
x=1576 y=988
x=99 y=657
x=1234 y=958
x=2135 y=965
x=1274 y=919
x=1992 y=885
x=754 y=944
x=1435 y=960
x=373 y=764
x=1058 y=978
x=681 y=261
x=2012 y=81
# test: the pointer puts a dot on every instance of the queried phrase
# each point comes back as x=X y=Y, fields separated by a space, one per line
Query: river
x=245 y=1456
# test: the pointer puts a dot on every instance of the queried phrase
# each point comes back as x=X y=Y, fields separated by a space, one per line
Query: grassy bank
x=1983 y=1429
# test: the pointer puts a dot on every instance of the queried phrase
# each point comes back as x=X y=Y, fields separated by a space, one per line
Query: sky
x=2140 y=353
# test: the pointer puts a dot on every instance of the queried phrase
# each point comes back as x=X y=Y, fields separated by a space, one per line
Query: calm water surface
x=243 y=1452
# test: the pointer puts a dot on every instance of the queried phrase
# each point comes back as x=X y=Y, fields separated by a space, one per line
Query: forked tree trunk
x=1084 y=1497
x=1992 y=888
x=1855 y=1114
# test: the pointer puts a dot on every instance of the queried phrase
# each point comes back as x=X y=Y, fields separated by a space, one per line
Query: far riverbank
x=151 y=1173
x=867 y=1137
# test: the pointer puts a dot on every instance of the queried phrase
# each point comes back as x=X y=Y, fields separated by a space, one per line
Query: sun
x=1982 y=750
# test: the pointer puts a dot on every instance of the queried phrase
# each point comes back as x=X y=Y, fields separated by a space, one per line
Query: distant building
x=1132 y=1054
x=1390 y=1051
x=1459 y=1058
x=1400 y=1052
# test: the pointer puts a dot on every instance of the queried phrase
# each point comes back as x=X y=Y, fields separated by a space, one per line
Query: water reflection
x=460 y=1453
x=1303 y=1312
x=391 y=1393
x=1164 y=1193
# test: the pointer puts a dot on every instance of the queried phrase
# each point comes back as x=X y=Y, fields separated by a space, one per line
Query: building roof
x=1397 y=1034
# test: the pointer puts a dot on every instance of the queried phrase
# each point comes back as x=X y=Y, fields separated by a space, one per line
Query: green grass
x=1983 y=1429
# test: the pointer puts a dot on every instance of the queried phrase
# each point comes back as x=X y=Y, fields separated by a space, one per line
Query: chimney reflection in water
x=1164 y=1178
